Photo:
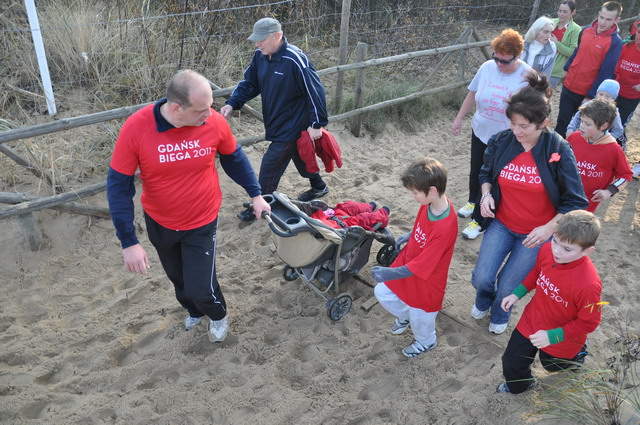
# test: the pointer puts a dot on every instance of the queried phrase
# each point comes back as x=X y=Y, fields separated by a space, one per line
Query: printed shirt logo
x=187 y=149
x=521 y=173
x=550 y=289
x=420 y=236
x=589 y=170
x=495 y=105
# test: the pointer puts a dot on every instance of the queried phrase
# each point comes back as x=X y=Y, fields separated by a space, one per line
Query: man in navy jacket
x=293 y=101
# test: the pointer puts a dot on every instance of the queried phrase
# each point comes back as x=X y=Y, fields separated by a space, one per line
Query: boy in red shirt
x=565 y=306
x=412 y=289
x=603 y=167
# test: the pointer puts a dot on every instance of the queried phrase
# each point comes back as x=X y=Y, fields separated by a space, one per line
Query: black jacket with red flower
x=556 y=165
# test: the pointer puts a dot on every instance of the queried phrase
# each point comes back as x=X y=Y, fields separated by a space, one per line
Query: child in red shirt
x=565 y=306
x=412 y=289
x=603 y=167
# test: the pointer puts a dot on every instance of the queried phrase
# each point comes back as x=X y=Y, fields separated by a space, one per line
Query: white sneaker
x=636 y=170
x=218 y=329
x=416 y=349
x=467 y=210
x=191 y=322
x=497 y=329
x=472 y=231
x=478 y=314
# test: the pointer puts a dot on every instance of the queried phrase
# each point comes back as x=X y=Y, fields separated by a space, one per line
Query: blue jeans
x=492 y=282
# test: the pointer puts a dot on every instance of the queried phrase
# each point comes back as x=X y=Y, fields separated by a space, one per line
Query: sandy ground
x=84 y=342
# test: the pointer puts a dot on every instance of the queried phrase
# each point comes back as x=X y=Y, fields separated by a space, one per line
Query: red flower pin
x=555 y=157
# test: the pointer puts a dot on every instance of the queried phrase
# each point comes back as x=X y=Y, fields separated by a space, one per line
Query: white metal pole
x=40 y=55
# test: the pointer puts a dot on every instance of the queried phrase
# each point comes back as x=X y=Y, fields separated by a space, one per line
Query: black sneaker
x=503 y=388
x=246 y=215
x=312 y=194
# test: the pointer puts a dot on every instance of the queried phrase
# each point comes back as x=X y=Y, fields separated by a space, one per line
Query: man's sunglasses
x=502 y=61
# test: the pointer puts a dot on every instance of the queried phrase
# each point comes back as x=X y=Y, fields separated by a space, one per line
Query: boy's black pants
x=517 y=359
x=189 y=259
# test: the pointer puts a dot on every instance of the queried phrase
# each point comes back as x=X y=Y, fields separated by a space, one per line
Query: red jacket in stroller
x=352 y=213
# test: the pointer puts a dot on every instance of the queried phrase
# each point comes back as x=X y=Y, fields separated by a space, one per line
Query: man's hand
x=540 y=339
x=258 y=204
x=508 y=302
x=314 y=133
x=226 y=110
x=135 y=259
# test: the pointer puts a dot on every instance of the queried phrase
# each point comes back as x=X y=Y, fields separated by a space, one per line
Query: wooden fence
x=22 y=205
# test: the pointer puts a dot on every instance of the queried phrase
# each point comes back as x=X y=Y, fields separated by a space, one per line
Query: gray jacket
x=544 y=60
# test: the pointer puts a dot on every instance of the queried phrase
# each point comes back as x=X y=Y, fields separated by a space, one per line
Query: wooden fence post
x=31 y=231
x=361 y=55
x=467 y=36
x=344 y=44
x=534 y=12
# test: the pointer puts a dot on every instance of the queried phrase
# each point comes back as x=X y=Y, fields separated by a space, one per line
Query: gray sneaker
x=191 y=322
x=399 y=326
x=218 y=329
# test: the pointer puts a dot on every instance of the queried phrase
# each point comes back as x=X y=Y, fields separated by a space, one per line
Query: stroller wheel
x=289 y=274
x=338 y=307
x=386 y=255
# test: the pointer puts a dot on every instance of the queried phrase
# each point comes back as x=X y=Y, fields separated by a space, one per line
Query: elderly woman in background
x=495 y=81
x=565 y=36
x=539 y=51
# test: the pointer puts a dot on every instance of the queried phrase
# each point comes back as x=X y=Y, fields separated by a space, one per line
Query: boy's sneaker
x=312 y=194
x=502 y=388
x=467 y=210
x=399 y=326
x=218 y=329
x=636 y=170
x=472 y=231
x=246 y=215
x=191 y=322
x=416 y=349
x=498 y=329
x=478 y=314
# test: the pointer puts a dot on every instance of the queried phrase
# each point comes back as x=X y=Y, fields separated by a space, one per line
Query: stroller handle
x=274 y=222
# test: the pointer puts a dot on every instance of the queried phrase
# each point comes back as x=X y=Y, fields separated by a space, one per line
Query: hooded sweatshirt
x=593 y=61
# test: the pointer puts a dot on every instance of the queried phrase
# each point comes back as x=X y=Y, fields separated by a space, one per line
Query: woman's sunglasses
x=502 y=61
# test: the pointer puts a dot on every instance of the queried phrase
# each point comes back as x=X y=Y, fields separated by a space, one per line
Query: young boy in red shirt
x=603 y=166
x=412 y=289
x=565 y=306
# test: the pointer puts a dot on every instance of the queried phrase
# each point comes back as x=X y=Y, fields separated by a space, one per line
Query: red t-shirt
x=566 y=296
x=180 y=186
x=599 y=165
x=628 y=71
x=524 y=202
x=559 y=32
x=427 y=255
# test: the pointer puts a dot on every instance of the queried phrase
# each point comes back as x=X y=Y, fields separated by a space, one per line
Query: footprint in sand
x=379 y=390
x=146 y=346
x=444 y=390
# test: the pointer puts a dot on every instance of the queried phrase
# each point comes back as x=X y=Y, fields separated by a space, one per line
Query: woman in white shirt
x=495 y=81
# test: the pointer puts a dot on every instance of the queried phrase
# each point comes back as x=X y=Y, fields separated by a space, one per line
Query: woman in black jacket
x=529 y=180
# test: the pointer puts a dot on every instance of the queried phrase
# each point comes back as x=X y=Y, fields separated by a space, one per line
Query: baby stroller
x=320 y=255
